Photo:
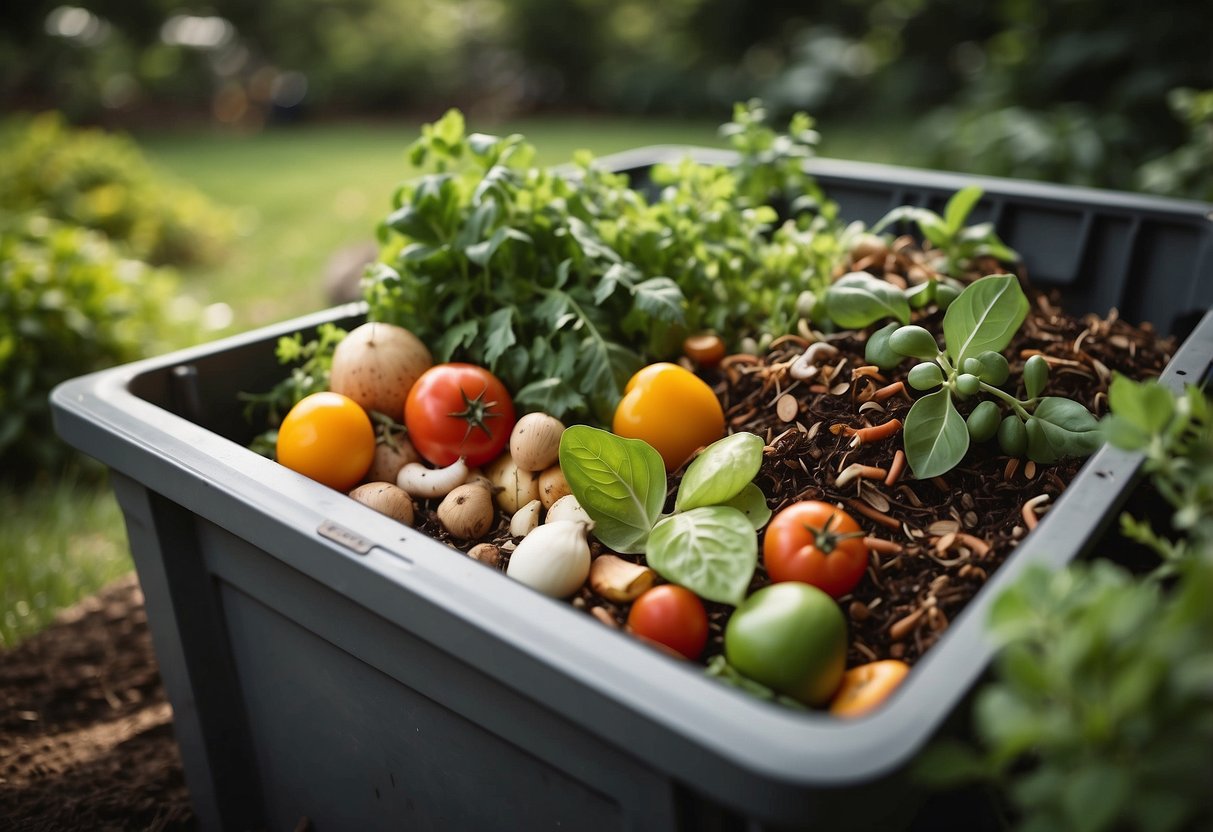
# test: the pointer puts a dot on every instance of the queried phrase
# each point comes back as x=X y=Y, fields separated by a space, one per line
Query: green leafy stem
x=858 y=299
x=977 y=326
x=709 y=544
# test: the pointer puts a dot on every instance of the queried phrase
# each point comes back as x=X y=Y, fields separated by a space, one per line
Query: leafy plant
x=1176 y=435
x=69 y=305
x=709 y=543
x=957 y=244
x=563 y=285
x=1101 y=713
x=978 y=325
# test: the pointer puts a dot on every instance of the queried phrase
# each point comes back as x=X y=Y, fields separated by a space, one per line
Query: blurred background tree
x=1073 y=91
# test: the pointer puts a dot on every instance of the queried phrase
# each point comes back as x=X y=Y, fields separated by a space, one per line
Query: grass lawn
x=299 y=194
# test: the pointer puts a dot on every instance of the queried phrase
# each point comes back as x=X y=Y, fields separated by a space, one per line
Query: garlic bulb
x=567 y=508
x=554 y=558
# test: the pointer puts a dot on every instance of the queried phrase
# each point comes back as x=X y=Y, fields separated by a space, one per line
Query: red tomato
x=815 y=543
x=459 y=410
x=673 y=616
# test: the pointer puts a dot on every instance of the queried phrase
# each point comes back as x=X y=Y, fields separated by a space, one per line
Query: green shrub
x=1186 y=171
x=102 y=181
x=69 y=305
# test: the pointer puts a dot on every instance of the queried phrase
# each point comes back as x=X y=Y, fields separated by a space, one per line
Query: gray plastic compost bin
x=324 y=662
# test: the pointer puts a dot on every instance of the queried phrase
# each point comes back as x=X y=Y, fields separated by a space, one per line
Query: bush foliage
x=102 y=181
x=69 y=304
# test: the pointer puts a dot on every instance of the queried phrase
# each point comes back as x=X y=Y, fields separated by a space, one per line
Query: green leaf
x=720 y=473
x=553 y=396
x=711 y=550
x=858 y=299
x=1146 y=405
x=619 y=482
x=1059 y=428
x=986 y=316
x=498 y=335
x=751 y=502
x=959 y=207
x=936 y=437
x=660 y=298
x=460 y=335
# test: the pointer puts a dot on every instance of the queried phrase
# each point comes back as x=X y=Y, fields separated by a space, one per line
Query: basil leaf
x=720 y=473
x=751 y=502
x=986 y=316
x=619 y=482
x=1061 y=427
x=711 y=550
x=936 y=437
x=858 y=299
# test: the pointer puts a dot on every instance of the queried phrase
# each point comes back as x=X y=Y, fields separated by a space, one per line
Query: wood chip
x=875 y=499
x=786 y=407
x=941 y=527
x=605 y=617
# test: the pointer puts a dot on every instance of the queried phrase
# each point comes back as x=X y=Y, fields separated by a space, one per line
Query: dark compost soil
x=86 y=734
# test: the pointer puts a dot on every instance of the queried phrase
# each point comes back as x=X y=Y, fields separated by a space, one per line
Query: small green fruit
x=915 y=342
x=967 y=384
x=983 y=422
x=925 y=376
x=1012 y=436
x=1035 y=375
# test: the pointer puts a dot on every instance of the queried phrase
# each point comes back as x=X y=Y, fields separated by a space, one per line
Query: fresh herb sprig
x=563 y=284
x=978 y=325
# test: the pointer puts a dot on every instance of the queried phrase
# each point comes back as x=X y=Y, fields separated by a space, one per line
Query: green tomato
x=915 y=342
x=791 y=637
x=1013 y=436
x=983 y=421
x=925 y=376
x=967 y=384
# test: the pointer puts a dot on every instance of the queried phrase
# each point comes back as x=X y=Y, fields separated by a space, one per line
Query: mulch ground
x=86 y=733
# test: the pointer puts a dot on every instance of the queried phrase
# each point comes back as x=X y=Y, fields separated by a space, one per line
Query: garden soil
x=86 y=733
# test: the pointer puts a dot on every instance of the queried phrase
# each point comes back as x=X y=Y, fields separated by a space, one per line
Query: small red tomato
x=673 y=616
x=815 y=543
x=459 y=410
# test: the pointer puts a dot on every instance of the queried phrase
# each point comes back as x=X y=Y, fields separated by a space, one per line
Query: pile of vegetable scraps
x=710 y=413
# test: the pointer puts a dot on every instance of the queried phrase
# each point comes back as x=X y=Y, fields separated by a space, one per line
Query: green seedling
x=977 y=327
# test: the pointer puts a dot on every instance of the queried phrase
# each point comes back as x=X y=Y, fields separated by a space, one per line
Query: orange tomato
x=672 y=409
x=866 y=686
x=328 y=437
